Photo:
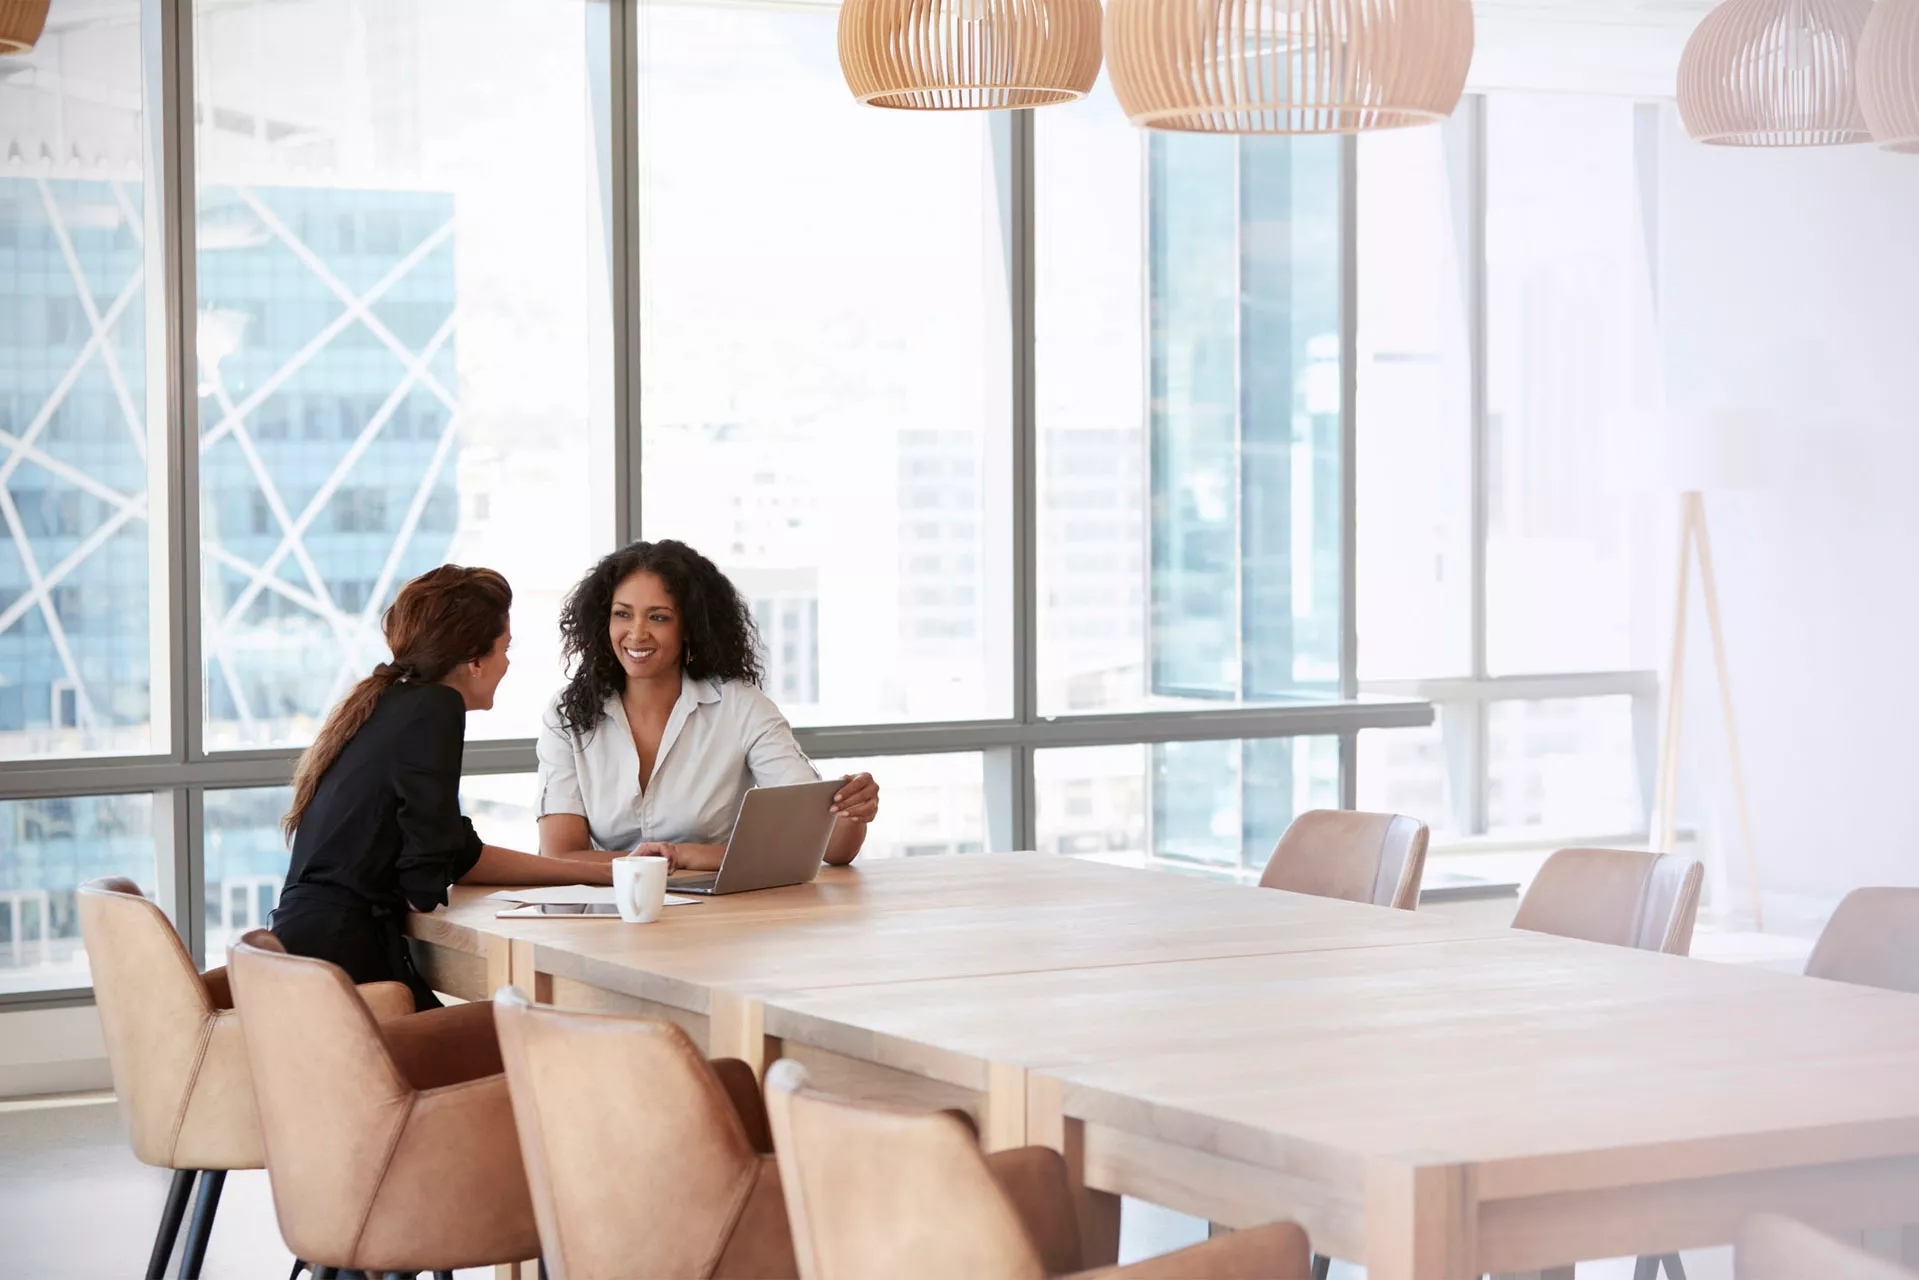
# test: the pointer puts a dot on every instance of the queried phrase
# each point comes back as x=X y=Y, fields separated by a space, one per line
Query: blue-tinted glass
x=403 y=337
x=1244 y=457
x=1214 y=807
x=74 y=552
x=48 y=848
x=246 y=862
x=1193 y=230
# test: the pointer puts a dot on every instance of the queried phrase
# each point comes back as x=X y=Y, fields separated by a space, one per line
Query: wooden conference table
x=1432 y=1099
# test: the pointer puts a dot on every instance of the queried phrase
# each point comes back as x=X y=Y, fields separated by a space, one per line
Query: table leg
x=1420 y=1222
x=1003 y=1118
x=736 y=1028
x=1048 y=1125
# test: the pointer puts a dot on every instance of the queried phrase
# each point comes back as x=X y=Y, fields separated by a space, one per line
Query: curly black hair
x=719 y=638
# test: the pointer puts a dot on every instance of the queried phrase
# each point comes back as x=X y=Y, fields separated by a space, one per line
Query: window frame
x=180 y=775
x=1462 y=703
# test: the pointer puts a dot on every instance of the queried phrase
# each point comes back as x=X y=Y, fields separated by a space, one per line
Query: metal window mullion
x=167 y=103
x=1348 y=459
x=1473 y=809
x=623 y=137
x=1020 y=799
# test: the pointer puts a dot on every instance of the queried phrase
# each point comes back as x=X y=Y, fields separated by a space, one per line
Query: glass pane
x=48 y=848
x=403 y=335
x=1563 y=766
x=1570 y=350
x=1407 y=771
x=247 y=855
x=1213 y=807
x=76 y=558
x=928 y=804
x=246 y=862
x=1188 y=391
x=503 y=807
x=825 y=330
x=1415 y=413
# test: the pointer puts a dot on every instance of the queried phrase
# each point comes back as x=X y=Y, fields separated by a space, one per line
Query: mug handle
x=625 y=893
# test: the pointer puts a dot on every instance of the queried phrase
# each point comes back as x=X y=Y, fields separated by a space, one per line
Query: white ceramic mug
x=639 y=887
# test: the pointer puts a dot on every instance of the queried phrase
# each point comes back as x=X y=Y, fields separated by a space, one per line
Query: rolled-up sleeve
x=772 y=755
x=438 y=844
x=559 y=777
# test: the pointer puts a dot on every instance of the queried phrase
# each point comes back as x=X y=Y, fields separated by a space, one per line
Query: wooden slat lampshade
x=1889 y=74
x=21 y=22
x=969 y=55
x=1287 y=66
x=1775 y=73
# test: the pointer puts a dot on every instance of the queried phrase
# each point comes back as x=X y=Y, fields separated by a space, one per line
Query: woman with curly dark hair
x=662 y=727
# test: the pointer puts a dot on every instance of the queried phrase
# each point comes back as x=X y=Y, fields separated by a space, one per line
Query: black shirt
x=385 y=822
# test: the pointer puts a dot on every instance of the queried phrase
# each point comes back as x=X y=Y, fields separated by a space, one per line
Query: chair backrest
x=636 y=1158
x=154 y=1008
x=1775 y=1248
x=331 y=1099
x=1872 y=940
x=1626 y=897
x=1361 y=857
x=875 y=1193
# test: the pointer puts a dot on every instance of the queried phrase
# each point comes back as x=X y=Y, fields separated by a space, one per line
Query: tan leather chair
x=1361 y=857
x=1872 y=940
x=876 y=1193
x=1775 y=1248
x=1625 y=897
x=644 y=1159
x=174 y=1048
x=390 y=1146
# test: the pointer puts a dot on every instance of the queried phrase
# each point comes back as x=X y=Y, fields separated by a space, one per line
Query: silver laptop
x=779 y=837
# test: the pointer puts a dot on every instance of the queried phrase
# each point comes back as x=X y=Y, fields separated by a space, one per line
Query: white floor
x=76 y=1205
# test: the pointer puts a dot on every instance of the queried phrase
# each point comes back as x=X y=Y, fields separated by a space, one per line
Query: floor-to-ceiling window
x=1026 y=435
x=1505 y=546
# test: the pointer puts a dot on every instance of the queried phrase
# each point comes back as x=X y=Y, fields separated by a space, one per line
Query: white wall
x=1789 y=288
x=52 y=1051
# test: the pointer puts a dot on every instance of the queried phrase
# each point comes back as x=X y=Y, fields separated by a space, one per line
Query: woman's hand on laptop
x=859 y=799
x=683 y=857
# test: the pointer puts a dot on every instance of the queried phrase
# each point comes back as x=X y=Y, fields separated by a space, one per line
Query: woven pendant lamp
x=969 y=55
x=1774 y=73
x=21 y=22
x=1889 y=74
x=1287 y=66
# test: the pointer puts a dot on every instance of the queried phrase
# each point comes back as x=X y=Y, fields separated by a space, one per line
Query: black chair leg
x=170 y=1223
x=201 y=1228
x=1322 y=1266
x=1675 y=1269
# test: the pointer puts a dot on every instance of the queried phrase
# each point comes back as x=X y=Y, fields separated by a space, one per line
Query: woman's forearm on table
x=584 y=855
x=510 y=866
x=844 y=844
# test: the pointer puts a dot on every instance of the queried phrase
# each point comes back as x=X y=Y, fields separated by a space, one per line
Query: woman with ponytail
x=376 y=824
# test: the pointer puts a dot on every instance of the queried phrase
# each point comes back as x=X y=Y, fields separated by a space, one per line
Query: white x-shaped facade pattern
x=224 y=416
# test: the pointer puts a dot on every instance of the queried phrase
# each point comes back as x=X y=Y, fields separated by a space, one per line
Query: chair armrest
x=1276 y=1251
x=219 y=988
x=454 y=1177
x=386 y=999
x=440 y=1047
x=743 y=1090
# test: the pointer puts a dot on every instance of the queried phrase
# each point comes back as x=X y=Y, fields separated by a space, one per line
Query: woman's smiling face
x=645 y=627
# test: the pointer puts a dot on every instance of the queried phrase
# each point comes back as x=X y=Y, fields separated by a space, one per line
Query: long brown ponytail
x=442 y=618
